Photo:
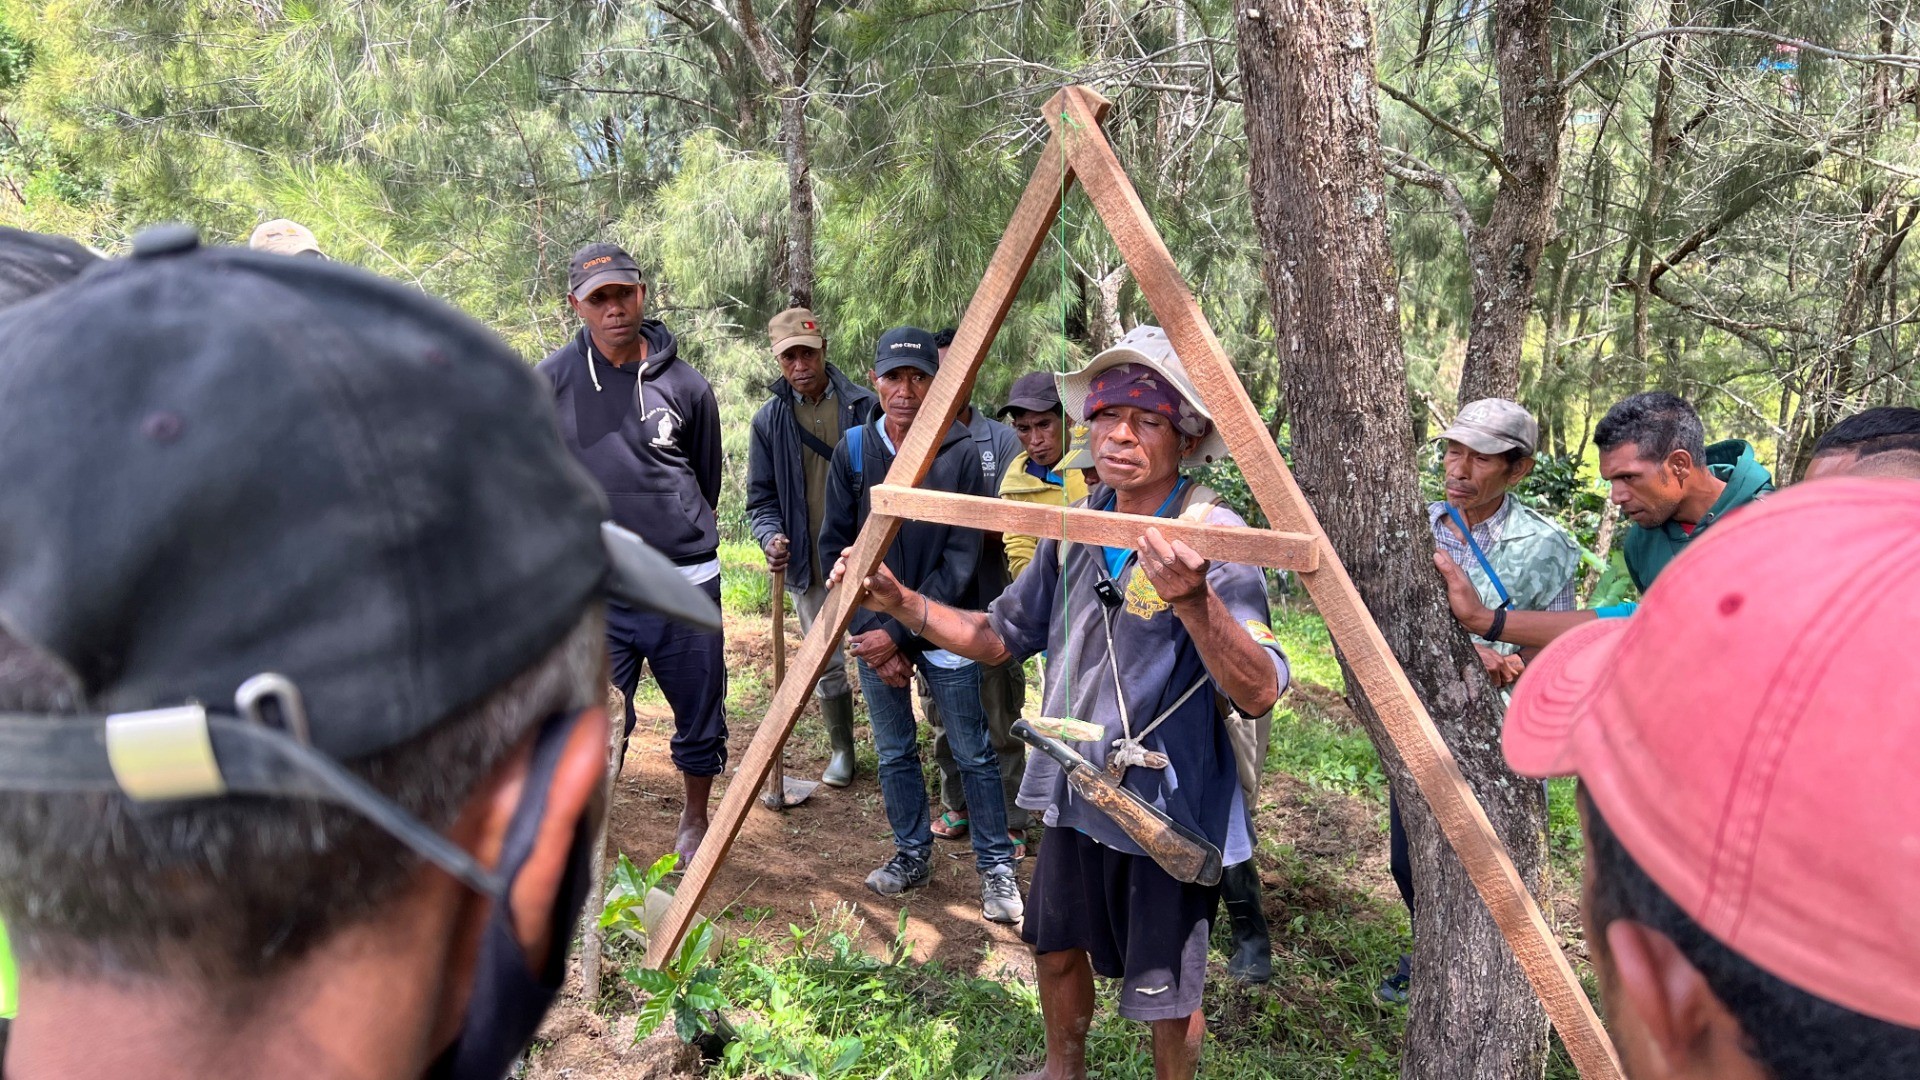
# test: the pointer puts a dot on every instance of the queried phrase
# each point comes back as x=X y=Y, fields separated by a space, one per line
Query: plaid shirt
x=1536 y=560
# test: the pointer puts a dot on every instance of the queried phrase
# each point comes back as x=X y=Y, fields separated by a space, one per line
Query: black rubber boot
x=1252 y=959
x=838 y=712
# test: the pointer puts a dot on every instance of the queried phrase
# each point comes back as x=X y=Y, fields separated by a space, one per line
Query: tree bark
x=1505 y=252
x=792 y=90
x=1318 y=200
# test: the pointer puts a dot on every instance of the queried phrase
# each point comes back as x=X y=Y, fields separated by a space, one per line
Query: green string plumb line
x=1067 y=127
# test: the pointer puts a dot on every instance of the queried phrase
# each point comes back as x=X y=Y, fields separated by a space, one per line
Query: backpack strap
x=856 y=455
x=1199 y=503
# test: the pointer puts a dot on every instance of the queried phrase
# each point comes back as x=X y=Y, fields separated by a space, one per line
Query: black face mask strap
x=512 y=991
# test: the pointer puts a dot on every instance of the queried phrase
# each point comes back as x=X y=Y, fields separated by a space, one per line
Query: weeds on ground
x=816 y=1005
x=745 y=586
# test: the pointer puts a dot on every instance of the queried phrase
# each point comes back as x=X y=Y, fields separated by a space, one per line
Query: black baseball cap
x=1033 y=392
x=31 y=263
x=279 y=514
x=600 y=264
x=906 y=346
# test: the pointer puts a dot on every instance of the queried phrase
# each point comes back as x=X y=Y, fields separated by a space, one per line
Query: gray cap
x=1494 y=426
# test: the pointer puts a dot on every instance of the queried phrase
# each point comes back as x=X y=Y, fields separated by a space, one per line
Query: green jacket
x=1535 y=558
x=1648 y=551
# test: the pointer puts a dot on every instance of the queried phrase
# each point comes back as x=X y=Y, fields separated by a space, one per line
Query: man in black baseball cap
x=646 y=425
x=943 y=560
x=30 y=264
x=301 y=724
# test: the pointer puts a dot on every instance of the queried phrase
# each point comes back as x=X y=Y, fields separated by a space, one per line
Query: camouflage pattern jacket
x=1535 y=558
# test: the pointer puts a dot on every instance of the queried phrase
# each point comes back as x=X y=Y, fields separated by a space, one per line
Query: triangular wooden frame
x=1079 y=150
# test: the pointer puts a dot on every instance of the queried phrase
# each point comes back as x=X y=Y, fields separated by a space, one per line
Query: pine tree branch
x=1492 y=155
x=1419 y=173
x=1574 y=78
x=622 y=92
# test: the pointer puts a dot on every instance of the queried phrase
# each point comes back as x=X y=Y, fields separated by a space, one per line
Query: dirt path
x=797 y=865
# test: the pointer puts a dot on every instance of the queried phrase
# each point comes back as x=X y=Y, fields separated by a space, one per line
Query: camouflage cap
x=1494 y=426
x=795 y=326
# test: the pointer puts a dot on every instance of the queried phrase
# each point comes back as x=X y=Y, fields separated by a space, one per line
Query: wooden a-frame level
x=1079 y=151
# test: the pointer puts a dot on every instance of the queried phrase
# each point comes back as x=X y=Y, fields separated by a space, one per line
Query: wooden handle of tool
x=776 y=796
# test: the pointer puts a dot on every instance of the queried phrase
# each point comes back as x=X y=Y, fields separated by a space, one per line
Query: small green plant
x=627 y=900
x=686 y=989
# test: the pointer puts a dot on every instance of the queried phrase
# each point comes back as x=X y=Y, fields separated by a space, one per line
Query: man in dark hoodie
x=794 y=434
x=939 y=561
x=1665 y=479
x=647 y=427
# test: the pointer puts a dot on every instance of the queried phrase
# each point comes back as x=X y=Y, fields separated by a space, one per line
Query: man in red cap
x=1746 y=788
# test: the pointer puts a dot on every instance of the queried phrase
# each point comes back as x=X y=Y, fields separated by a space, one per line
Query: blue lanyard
x=1461 y=524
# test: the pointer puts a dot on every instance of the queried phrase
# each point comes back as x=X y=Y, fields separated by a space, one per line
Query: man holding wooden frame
x=1172 y=656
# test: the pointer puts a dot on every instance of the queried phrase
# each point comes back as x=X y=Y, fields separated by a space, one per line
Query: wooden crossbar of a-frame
x=1077 y=150
x=1255 y=547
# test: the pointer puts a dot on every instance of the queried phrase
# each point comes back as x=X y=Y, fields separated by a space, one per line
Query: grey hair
x=233 y=889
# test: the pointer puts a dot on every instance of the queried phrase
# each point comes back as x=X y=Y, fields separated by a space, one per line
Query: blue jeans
x=903 y=786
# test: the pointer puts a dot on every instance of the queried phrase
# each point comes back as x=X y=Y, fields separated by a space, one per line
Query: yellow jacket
x=1019 y=484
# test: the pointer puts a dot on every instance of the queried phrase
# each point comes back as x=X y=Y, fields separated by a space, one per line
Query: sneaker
x=1393 y=988
x=901 y=873
x=1000 y=896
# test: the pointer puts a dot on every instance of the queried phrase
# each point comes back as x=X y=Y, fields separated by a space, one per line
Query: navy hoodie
x=649 y=434
x=934 y=559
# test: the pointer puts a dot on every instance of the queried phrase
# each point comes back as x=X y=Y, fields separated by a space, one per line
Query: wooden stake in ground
x=782 y=792
x=1077 y=150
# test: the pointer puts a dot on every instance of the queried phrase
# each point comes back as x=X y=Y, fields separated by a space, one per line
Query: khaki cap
x=1494 y=426
x=283 y=237
x=795 y=326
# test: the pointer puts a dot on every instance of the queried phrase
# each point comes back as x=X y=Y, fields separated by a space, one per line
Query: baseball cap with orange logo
x=1748 y=736
x=600 y=264
x=795 y=326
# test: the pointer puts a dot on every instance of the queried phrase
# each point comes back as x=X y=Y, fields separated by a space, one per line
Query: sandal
x=949 y=827
x=1019 y=838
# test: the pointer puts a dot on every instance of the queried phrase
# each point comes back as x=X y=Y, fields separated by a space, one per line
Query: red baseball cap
x=1750 y=734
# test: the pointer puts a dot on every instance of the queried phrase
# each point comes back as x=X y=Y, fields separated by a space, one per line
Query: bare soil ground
x=796 y=865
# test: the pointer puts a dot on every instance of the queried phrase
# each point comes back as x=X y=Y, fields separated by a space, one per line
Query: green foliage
x=627 y=900
x=687 y=989
x=1556 y=486
x=1309 y=648
x=746 y=588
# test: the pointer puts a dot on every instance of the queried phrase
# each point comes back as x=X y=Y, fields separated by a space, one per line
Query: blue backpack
x=857 y=454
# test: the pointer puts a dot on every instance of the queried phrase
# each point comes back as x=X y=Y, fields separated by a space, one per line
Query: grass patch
x=815 y=1005
x=745 y=586
x=1327 y=754
x=1303 y=634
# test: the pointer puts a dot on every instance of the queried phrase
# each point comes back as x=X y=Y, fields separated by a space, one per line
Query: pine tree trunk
x=1506 y=250
x=1313 y=134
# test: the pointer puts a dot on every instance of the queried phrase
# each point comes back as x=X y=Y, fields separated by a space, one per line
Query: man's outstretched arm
x=965 y=632
x=1532 y=629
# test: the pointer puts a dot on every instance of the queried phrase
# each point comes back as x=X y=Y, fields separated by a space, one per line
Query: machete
x=1181 y=852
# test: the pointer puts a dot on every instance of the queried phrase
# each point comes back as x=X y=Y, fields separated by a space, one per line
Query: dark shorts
x=1134 y=921
x=691 y=668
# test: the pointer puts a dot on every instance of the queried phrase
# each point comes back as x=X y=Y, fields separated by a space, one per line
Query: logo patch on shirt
x=664 y=423
x=1143 y=601
x=1262 y=634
